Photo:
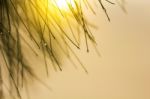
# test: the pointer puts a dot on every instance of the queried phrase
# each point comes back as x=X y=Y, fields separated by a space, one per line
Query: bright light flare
x=64 y=4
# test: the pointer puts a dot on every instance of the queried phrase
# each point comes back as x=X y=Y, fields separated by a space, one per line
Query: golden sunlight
x=64 y=4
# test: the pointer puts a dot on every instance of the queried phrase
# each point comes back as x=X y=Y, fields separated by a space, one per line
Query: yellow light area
x=57 y=6
x=64 y=4
x=55 y=10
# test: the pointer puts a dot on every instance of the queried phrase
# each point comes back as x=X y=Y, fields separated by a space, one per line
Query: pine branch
x=43 y=27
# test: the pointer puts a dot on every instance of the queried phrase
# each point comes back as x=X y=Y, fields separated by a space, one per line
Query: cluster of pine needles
x=42 y=25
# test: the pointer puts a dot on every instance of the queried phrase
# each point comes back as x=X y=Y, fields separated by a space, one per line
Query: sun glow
x=64 y=4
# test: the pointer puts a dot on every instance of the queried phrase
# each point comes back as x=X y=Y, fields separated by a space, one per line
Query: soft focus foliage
x=42 y=26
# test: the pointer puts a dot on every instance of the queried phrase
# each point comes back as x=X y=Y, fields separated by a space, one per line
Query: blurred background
x=122 y=71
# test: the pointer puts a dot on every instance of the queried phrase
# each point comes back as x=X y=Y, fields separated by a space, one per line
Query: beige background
x=123 y=69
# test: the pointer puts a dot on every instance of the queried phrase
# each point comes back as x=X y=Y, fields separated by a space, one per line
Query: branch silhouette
x=42 y=26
